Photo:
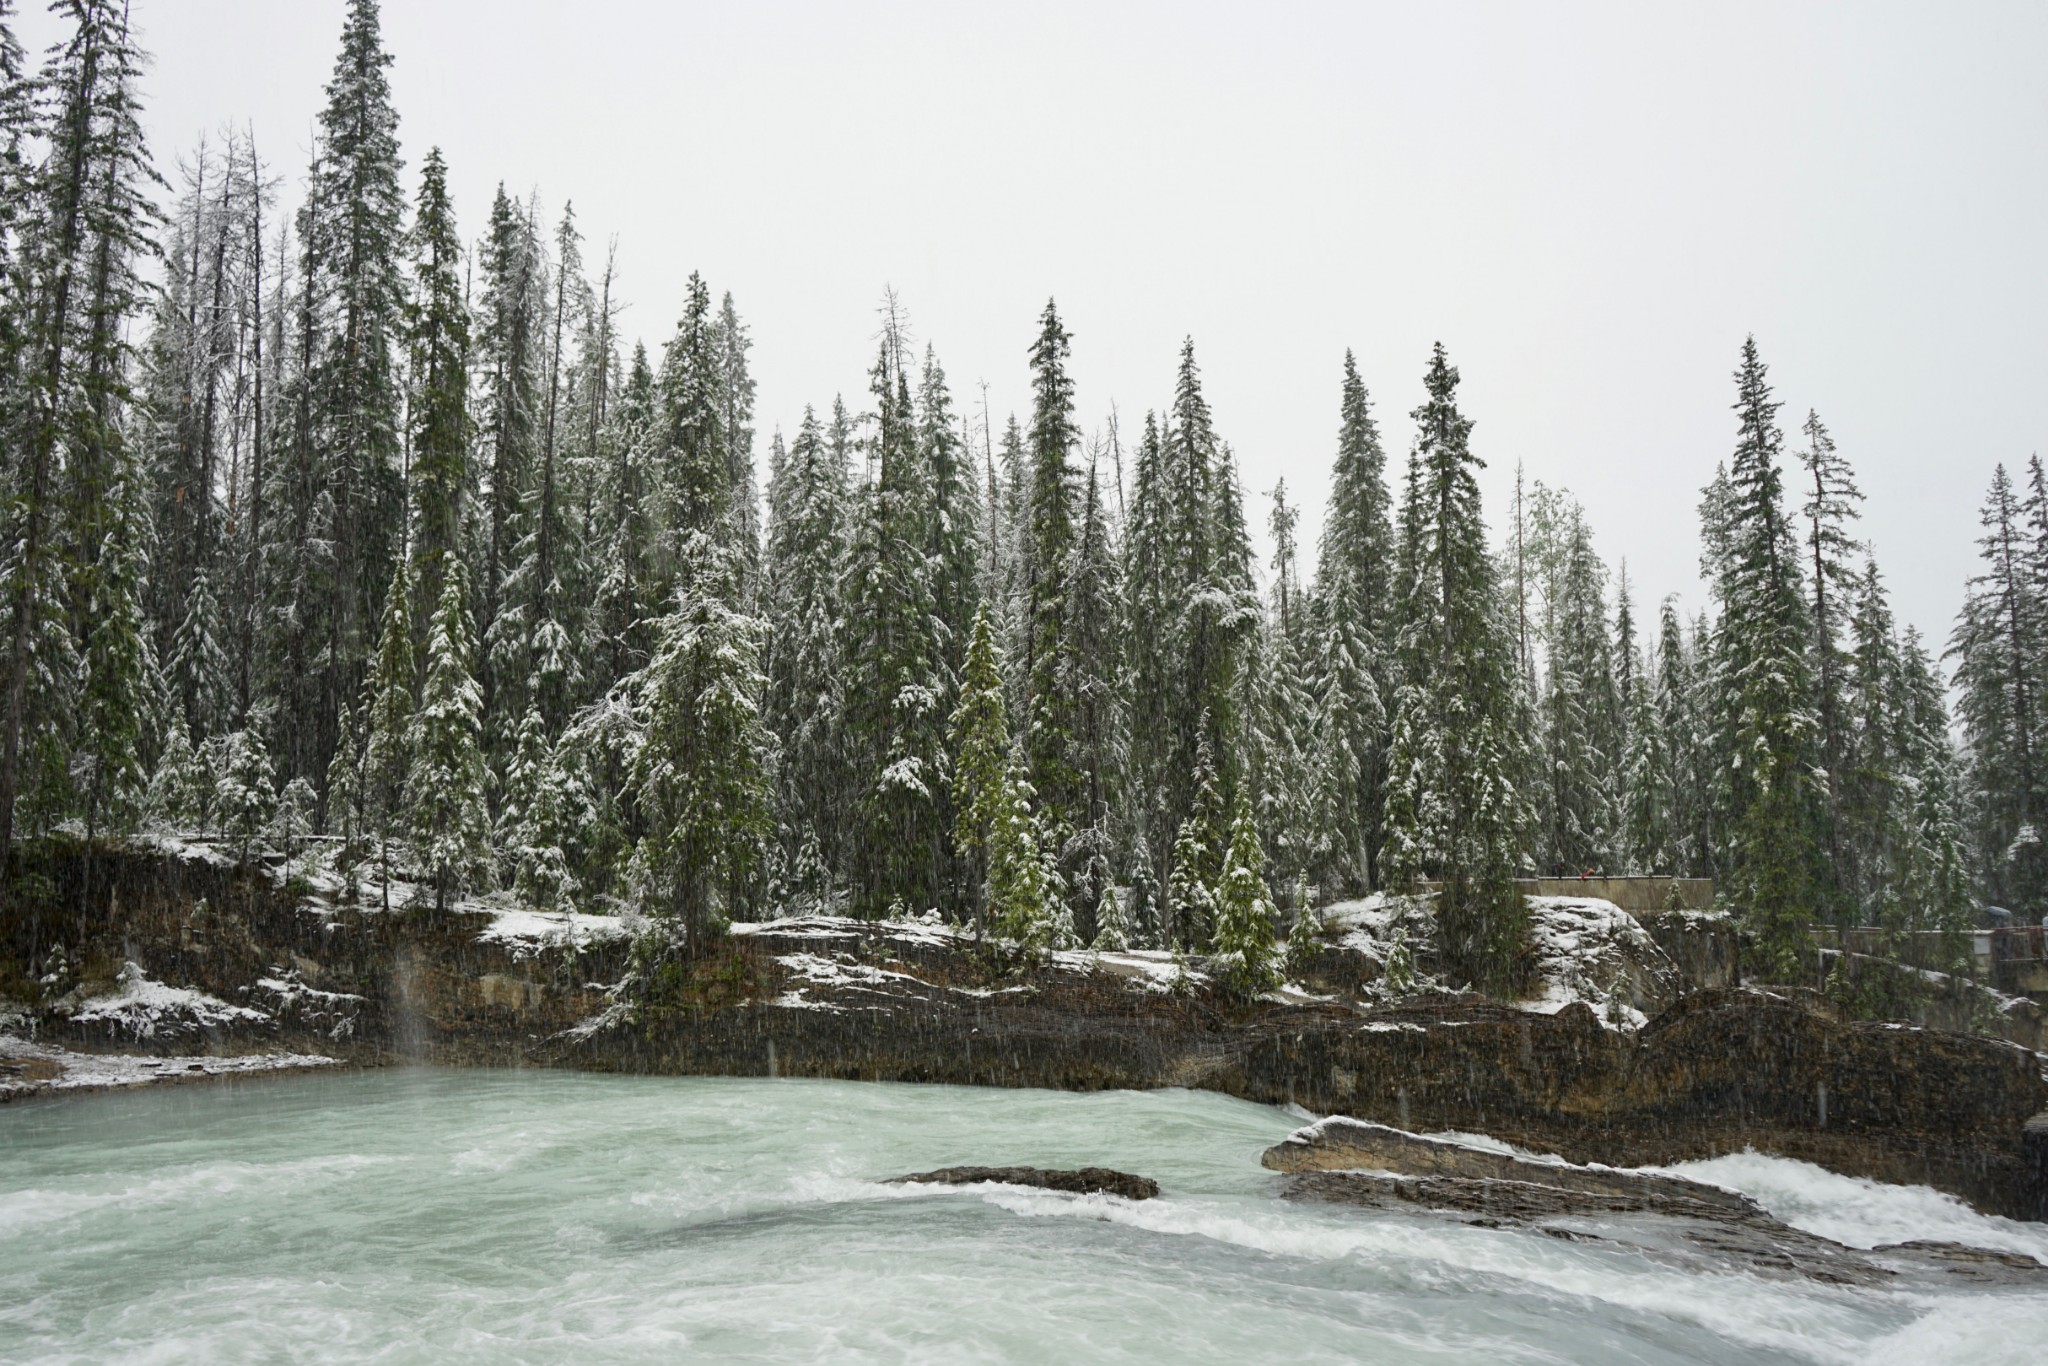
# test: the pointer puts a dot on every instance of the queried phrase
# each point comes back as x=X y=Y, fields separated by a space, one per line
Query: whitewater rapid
x=534 y=1216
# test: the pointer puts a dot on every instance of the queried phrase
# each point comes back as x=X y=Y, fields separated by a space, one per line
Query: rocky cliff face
x=1717 y=1070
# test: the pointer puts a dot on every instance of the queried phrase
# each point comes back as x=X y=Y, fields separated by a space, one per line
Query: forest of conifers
x=318 y=519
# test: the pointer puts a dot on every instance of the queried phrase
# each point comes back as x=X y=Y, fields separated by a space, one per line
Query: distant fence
x=1637 y=895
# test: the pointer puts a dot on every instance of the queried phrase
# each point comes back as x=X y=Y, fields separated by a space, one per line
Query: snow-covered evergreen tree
x=181 y=790
x=1455 y=810
x=1196 y=871
x=802 y=601
x=536 y=817
x=444 y=793
x=700 y=768
x=1352 y=623
x=388 y=719
x=1831 y=504
x=248 y=790
x=1245 y=950
x=1048 y=562
x=894 y=674
x=1112 y=927
x=1998 y=645
x=1763 y=660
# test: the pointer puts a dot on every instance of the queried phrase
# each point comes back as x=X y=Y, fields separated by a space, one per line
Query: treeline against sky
x=328 y=518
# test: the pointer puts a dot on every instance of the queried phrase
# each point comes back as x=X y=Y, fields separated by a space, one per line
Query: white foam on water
x=1860 y=1212
x=547 y=1216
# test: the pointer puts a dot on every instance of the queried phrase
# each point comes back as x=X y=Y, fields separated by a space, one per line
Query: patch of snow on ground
x=528 y=931
x=809 y=926
x=1154 y=969
x=100 y=1071
x=927 y=931
x=189 y=849
x=144 y=1008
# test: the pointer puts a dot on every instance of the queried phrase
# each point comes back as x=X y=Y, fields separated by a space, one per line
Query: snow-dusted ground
x=28 y=1068
x=144 y=1009
x=527 y=932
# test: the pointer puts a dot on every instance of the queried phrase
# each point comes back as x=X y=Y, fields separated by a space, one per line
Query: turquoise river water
x=444 y=1216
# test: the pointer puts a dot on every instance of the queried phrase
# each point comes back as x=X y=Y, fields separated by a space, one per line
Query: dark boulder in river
x=1080 y=1181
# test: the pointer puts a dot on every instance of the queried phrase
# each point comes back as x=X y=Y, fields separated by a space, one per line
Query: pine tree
x=1579 y=710
x=1831 y=499
x=68 y=548
x=1048 y=665
x=248 y=789
x=535 y=818
x=1199 y=850
x=180 y=789
x=1024 y=892
x=1764 y=637
x=1650 y=814
x=980 y=731
x=445 y=789
x=1454 y=809
x=437 y=336
x=1095 y=678
x=954 y=547
x=388 y=716
x=802 y=601
x=510 y=322
x=1194 y=608
x=1112 y=928
x=1998 y=646
x=1934 y=880
x=1283 y=711
x=699 y=772
x=1354 y=619
x=348 y=419
x=1245 y=947
x=199 y=667
x=343 y=806
x=895 y=731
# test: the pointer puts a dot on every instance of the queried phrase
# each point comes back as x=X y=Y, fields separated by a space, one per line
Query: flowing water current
x=441 y=1216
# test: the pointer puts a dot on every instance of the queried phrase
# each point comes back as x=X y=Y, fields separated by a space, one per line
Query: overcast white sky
x=1588 y=204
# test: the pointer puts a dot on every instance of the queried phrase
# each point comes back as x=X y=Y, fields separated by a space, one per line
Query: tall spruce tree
x=1350 y=671
x=1998 y=648
x=437 y=336
x=445 y=791
x=1831 y=499
x=70 y=560
x=802 y=601
x=894 y=728
x=1455 y=811
x=1763 y=664
x=353 y=314
x=700 y=765
x=1049 y=541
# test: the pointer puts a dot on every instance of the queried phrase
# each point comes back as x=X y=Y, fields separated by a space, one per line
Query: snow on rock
x=527 y=932
x=333 y=1011
x=145 y=1009
x=1153 y=969
x=1379 y=928
x=1592 y=951
x=28 y=1069
x=928 y=931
